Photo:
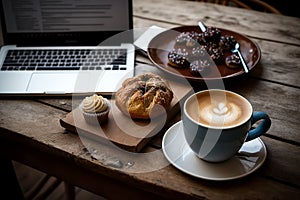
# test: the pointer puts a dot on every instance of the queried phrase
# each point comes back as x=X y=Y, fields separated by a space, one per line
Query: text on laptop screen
x=65 y=15
x=64 y=22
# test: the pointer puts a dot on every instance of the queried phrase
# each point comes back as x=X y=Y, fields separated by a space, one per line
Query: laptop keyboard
x=65 y=59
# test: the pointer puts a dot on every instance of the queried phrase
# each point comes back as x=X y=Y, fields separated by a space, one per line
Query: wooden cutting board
x=131 y=135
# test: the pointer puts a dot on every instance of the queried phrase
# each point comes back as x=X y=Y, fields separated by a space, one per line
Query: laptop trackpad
x=54 y=83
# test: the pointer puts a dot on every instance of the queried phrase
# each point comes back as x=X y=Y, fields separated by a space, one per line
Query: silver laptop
x=58 y=47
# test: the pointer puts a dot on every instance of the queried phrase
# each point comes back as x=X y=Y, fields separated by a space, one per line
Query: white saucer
x=250 y=157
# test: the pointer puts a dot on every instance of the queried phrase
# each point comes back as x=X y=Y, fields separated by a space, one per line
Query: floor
x=52 y=189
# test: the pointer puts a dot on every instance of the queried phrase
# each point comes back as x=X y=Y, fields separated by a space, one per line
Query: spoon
x=236 y=50
x=202 y=26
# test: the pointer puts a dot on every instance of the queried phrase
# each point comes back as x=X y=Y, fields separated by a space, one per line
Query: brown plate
x=163 y=43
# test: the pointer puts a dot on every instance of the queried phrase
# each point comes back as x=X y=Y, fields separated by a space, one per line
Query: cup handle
x=262 y=128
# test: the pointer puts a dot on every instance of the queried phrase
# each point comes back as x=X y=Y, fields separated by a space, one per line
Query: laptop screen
x=63 y=22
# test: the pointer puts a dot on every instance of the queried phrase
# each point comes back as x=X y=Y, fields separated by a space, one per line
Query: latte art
x=220 y=114
x=221 y=109
x=218 y=109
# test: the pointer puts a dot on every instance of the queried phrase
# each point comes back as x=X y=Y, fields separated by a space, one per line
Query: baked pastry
x=187 y=39
x=144 y=96
x=216 y=53
x=199 y=52
x=182 y=38
x=233 y=61
x=212 y=34
x=200 y=67
x=227 y=42
x=95 y=109
x=178 y=57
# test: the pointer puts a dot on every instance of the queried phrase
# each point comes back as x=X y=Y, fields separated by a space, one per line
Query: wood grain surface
x=129 y=134
x=30 y=131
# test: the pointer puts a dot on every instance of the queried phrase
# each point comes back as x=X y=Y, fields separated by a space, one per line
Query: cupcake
x=95 y=109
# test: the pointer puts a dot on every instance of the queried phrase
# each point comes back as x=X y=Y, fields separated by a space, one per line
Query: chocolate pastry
x=212 y=34
x=216 y=53
x=200 y=67
x=187 y=39
x=233 y=61
x=227 y=42
x=209 y=46
x=195 y=37
x=199 y=52
x=181 y=38
x=144 y=96
x=201 y=39
x=178 y=57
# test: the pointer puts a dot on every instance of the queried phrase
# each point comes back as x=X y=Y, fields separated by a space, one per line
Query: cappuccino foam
x=220 y=109
x=220 y=114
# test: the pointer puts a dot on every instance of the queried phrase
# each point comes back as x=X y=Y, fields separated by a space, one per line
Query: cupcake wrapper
x=96 y=118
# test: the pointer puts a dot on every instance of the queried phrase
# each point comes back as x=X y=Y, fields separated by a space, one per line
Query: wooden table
x=30 y=131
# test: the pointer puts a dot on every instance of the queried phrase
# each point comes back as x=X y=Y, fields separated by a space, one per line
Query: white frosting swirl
x=94 y=104
x=221 y=114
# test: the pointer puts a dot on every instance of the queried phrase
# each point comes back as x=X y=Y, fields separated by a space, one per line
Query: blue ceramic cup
x=216 y=123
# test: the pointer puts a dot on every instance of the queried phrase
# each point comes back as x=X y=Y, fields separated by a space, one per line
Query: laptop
x=61 y=47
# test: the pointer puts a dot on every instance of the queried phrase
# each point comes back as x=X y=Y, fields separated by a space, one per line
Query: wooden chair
x=258 y=5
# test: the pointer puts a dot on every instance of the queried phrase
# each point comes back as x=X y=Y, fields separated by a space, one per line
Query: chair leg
x=44 y=194
x=69 y=191
x=37 y=188
x=9 y=184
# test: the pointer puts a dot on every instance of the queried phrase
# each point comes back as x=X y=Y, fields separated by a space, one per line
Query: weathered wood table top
x=30 y=131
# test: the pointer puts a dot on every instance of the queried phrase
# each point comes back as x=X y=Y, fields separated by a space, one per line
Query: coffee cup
x=216 y=123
